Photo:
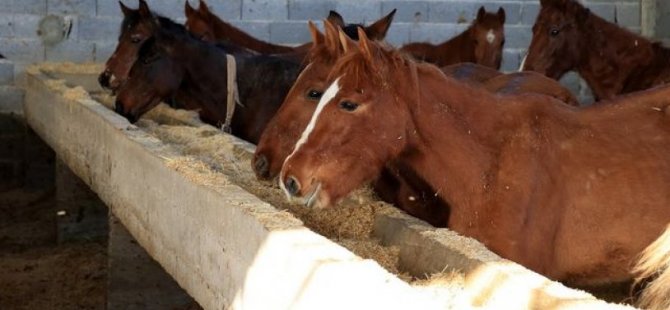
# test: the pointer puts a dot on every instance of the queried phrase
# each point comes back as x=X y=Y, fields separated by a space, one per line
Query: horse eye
x=314 y=94
x=135 y=40
x=348 y=106
x=554 y=32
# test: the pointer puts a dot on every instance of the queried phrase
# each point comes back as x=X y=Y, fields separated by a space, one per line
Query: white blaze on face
x=490 y=36
x=330 y=93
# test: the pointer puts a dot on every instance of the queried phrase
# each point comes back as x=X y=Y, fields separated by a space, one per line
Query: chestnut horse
x=284 y=129
x=555 y=188
x=612 y=60
x=481 y=43
x=167 y=68
x=209 y=27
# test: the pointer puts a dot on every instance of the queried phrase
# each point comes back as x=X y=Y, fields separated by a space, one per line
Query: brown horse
x=612 y=60
x=397 y=184
x=555 y=188
x=134 y=32
x=166 y=69
x=209 y=27
x=481 y=43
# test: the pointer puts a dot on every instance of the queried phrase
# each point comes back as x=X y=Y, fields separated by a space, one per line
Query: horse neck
x=226 y=31
x=457 y=49
x=449 y=139
x=613 y=55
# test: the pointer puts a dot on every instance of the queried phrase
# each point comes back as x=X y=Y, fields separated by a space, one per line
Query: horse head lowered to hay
x=555 y=188
x=612 y=60
x=284 y=129
x=481 y=43
x=166 y=68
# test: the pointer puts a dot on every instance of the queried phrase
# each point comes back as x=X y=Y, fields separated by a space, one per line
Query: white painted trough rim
x=418 y=241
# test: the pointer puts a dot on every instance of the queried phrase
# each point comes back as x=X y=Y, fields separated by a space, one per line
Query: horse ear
x=335 y=18
x=189 y=10
x=366 y=45
x=347 y=43
x=317 y=36
x=501 y=15
x=126 y=10
x=480 y=13
x=204 y=8
x=378 y=30
x=332 y=37
x=144 y=9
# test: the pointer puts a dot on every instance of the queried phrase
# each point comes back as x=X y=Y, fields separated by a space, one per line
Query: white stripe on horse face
x=330 y=93
x=523 y=62
x=490 y=36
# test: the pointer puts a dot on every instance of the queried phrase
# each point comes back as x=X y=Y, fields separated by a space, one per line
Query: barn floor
x=37 y=272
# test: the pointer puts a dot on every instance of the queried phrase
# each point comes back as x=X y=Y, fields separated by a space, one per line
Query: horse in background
x=481 y=43
x=166 y=69
x=209 y=27
x=554 y=188
x=613 y=61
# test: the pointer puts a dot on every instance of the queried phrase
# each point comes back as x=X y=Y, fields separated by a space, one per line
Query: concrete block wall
x=94 y=24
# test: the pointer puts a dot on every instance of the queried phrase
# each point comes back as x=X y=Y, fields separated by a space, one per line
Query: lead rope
x=232 y=97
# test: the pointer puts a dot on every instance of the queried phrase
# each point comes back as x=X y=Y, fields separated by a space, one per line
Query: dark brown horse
x=481 y=43
x=555 y=188
x=612 y=60
x=134 y=32
x=209 y=27
x=529 y=82
x=166 y=68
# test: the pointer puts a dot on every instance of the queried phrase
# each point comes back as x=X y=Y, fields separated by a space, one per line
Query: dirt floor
x=37 y=272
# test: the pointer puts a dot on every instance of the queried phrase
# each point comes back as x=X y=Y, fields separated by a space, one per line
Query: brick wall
x=95 y=23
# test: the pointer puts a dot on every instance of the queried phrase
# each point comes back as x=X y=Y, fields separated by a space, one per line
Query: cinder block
x=19 y=50
x=6 y=72
x=6 y=29
x=26 y=25
x=75 y=51
x=398 y=34
x=604 y=10
x=11 y=99
x=111 y=8
x=289 y=32
x=103 y=50
x=311 y=10
x=628 y=14
x=101 y=28
x=518 y=36
x=434 y=33
x=529 y=12
x=511 y=60
x=168 y=8
x=408 y=11
x=258 y=29
x=360 y=12
x=452 y=12
x=37 y=7
x=74 y=7
x=264 y=10
x=227 y=10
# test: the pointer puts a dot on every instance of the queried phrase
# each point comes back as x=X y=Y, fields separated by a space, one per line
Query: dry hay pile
x=206 y=154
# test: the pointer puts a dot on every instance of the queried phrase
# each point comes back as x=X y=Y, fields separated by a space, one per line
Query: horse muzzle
x=118 y=108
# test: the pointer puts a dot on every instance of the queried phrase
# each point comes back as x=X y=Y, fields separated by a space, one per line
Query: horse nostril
x=261 y=166
x=103 y=78
x=292 y=186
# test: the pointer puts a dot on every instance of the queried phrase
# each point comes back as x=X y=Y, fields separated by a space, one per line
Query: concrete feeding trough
x=186 y=192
